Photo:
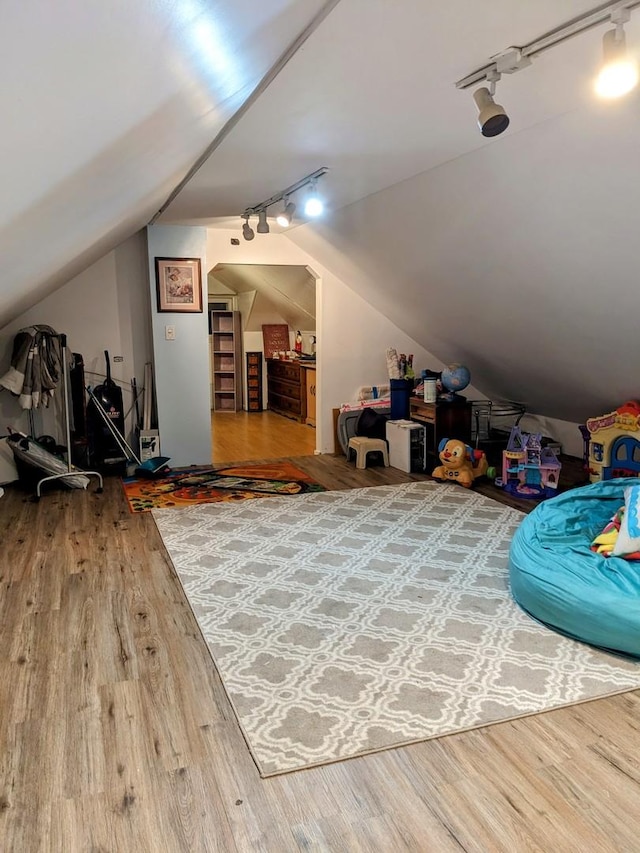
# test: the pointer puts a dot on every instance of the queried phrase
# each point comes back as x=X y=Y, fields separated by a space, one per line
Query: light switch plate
x=169 y=333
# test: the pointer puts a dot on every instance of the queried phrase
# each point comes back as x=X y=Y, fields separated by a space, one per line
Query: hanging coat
x=36 y=366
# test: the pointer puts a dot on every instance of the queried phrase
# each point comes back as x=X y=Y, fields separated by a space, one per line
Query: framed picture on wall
x=179 y=285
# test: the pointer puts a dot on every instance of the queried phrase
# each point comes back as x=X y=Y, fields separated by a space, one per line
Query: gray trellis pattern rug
x=347 y=622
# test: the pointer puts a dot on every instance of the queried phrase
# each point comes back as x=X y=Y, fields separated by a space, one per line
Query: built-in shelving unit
x=226 y=361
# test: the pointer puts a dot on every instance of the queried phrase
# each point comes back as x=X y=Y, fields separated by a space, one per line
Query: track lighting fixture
x=263 y=225
x=617 y=77
x=492 y=118
x=313 y=205
x=619 y=73
x=285 y=217
x=247 y=230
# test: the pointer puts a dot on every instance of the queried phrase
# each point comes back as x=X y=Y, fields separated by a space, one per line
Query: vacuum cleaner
x=150 y=468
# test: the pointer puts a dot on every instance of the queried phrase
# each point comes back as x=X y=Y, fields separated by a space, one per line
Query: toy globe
x=455 y=378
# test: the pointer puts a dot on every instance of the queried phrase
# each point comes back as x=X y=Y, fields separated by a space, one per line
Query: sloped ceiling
x=516 y=255
x=106 y=107
x=372 y=96
x=291 y=291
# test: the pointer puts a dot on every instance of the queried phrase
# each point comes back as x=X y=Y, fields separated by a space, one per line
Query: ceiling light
x=313 y=205
x=619 y=74
x=263 y=225
x=492 y=118
x=247 y=230
x=284 y=218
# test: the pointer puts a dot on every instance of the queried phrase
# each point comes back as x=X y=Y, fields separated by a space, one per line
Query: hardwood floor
x=116 y=733
x=245 y=436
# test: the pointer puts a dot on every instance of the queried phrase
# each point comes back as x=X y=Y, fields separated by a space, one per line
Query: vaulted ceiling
x=516 y=255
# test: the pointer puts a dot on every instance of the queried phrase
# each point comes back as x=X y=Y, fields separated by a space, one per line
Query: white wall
x=352 y=336
x=107 y=307
x=518 y=259
x=181 y=365
x=103 y=308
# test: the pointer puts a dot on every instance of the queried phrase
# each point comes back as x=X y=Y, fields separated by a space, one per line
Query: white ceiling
x=109 y=106
x=371 y=95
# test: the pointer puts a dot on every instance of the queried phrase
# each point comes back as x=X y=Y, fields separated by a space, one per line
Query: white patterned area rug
x=348 y=622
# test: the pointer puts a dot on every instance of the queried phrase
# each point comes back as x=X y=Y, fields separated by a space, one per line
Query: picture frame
x=179 y=285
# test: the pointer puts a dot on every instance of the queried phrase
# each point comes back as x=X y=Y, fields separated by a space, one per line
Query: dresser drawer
x=284 y=370
x=421 y=411
x=281 y=388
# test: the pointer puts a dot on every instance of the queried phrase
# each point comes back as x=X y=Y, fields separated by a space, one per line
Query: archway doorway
x=260 y=294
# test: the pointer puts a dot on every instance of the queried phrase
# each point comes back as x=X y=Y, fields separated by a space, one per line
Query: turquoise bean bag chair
x=559 y=581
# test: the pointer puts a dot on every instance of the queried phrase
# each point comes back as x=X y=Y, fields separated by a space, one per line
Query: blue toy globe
x=455 y=378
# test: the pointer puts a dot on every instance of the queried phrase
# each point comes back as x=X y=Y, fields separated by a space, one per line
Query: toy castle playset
x=529 y=470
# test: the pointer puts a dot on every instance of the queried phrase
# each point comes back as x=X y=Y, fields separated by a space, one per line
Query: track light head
x=263 y=225
x=492 y=118
x=247 y=230
x=619 y=74
x=284 y=219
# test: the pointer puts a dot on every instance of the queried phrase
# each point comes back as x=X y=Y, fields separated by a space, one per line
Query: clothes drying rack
x=71 y=469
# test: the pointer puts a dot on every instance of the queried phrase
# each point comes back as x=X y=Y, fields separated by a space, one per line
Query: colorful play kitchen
x=612 y=443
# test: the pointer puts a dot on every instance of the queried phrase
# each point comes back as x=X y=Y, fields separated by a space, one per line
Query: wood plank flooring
x=116 y=734
x=245 y=436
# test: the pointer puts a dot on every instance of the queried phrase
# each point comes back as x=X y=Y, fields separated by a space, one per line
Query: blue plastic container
x=400 y=398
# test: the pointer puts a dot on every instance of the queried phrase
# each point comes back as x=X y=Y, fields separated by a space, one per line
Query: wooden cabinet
x=309 y=372
x=226 y=361
x=285 y=392
x=441 y=420
x=254 y=381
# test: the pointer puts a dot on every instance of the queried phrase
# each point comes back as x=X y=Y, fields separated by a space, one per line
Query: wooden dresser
x=286 y=393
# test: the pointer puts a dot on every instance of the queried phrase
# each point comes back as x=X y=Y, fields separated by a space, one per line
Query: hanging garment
x=36 y=366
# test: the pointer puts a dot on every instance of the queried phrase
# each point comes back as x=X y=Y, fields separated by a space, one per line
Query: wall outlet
x=169 y=333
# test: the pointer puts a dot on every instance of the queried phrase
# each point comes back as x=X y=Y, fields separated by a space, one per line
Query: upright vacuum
x=106 y=453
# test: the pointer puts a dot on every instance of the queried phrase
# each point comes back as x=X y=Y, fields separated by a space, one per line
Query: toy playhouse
x=612 y=443
x=529 y=470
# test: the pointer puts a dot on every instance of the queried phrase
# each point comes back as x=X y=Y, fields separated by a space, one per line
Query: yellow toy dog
x=458 y=462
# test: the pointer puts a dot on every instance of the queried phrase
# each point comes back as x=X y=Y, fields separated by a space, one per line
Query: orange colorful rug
x=186 y=486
